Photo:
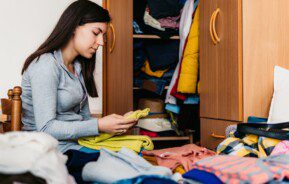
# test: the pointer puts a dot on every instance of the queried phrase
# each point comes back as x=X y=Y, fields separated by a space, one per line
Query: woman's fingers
x=117 y=116
x=120 y=131
x=121 y=127
x=127 y=121
x=128 y=113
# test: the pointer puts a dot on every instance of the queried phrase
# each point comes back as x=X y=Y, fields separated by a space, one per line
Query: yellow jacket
x=188 y=77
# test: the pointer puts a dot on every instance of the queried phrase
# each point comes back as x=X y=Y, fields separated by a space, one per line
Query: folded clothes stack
x=156 y=124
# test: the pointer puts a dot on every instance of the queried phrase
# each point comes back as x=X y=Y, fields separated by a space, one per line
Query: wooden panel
x=208 y=63
x=266 y=43
x=104 y=72
x=229 y=51
x=221 y=64
x=213 y=132
x=119 y=63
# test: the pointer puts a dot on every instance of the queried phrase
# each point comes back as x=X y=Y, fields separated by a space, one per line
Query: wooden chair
x=10 y=119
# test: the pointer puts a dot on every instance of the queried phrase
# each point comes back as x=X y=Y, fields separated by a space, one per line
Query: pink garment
x=170 y=22
x=235 y=169
x=281 y=148
x=185 y=155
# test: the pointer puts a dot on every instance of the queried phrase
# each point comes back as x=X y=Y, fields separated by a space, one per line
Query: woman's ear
x=74 y=32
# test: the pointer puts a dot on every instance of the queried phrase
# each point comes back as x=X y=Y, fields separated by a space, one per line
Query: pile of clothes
x=157 y=123
x=32 y=157
x=160 y=18
x=154 y=64
x=155 y=60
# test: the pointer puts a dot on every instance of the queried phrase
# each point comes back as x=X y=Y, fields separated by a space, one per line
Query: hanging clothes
x=188 y=77
x=185 y=24
x=189 y=68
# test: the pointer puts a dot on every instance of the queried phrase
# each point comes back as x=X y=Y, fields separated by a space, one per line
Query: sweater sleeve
x=44 y=78
x=85 y=111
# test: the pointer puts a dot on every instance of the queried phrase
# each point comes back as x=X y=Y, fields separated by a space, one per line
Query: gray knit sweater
x=54 y=101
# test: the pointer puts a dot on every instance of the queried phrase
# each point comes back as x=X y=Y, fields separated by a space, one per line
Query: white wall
x=24 y=25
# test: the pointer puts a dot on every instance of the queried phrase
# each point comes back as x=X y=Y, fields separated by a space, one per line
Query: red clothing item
x=185 y=155
x=174 y=91
x=148 y=133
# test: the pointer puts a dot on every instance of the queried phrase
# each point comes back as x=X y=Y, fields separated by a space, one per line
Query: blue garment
x=202 y=176
x=162 y=54
x=52 y=101
x=76 y=161
x=156 y=85
x=165 y=8
x=88 y=150
x=182 y=2
x=195 y=99
x=147 y=179
x=136 y=28
x=173 y=108
x=253 y=119
x=169 y=74
x=112 y=167
x=139 y=55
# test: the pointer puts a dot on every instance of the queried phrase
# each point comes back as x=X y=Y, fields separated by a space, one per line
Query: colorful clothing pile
x=179 y=156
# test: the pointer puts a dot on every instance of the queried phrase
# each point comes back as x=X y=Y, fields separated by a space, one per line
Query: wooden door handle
x=211 y=28
x=218 y=136
x=113 y=37
x=214 y=25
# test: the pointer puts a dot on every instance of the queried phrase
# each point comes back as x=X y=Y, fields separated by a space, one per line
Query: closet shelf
x=135 y=88
x=172 y=138
x=153 y=37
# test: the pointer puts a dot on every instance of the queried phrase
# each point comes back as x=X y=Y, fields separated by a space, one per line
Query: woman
x=58 y=76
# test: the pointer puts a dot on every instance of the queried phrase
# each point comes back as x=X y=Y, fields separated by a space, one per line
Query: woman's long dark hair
x=78 y=13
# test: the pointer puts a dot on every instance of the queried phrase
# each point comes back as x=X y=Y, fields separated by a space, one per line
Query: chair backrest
x=11 y=110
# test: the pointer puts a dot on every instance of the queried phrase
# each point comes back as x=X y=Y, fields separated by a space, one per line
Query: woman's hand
x=115 y=124
x=127 y=114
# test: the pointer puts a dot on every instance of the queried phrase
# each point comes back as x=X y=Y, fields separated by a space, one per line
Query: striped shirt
x=234 y=169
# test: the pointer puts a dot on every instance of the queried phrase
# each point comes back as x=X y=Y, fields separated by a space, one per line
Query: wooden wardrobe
x=240 y=42
x=236 y=72
x=118 y=58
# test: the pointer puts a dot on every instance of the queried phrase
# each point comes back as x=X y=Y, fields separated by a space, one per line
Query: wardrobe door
x=208 y=62
x=221 y=60
x=118 y=62
x=266 y=44
x=229 y=30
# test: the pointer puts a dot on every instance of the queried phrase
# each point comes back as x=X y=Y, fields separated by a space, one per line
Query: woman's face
x=88 y=37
